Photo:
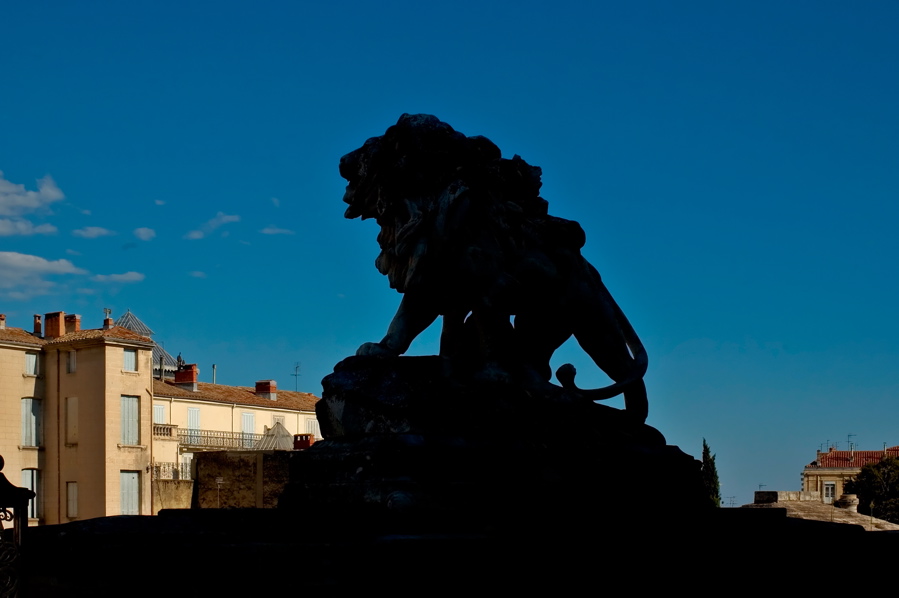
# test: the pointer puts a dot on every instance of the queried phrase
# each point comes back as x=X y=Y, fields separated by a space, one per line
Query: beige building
x=830 y=470
x=89 y=428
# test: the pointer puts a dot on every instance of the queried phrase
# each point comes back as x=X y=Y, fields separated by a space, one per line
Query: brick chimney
x=54 y=325
x=73 y=323
x=2 y=321
x=267 y=389
x=186 y=377
x=107 y=323
x=37 y=324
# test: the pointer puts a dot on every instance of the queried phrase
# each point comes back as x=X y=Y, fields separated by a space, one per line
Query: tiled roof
x=851 y=459
x=19 y=336
x=238 y=395
x=116 y=332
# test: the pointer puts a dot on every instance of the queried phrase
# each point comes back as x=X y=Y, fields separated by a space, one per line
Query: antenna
x=849 y=439
x=762 y=486
x=296 y=376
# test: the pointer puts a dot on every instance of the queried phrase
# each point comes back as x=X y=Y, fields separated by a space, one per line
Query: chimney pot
x=107 y=323
x=2 y=321
x=37 y=324
x=186 y=377
x=73 y=323
x=54 y=327
x=267 y=389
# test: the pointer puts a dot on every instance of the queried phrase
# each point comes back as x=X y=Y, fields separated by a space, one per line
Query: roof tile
x=17 y=335
x=238 y=395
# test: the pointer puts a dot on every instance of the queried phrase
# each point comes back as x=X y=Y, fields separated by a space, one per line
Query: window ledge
x=29 y=375
x=30 y=448
x=142 y=447
x=133 y=372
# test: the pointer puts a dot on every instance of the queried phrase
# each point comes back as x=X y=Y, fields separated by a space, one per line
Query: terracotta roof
x=116 y=332
x=238 y=395
x=851 y=459
x=17 y=335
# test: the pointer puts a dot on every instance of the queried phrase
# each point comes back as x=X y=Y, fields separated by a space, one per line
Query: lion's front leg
x=413 y=316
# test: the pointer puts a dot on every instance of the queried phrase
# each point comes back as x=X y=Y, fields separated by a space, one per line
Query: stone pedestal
x=409 y=436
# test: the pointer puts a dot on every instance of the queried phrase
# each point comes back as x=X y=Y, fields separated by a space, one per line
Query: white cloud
x=159 y=202
x=219 y=219
x=277 y=202
x=73 y=252
x=274 y=230
x=126 y=277
x=144 y=234
x=197 y=274
x=16 y=226
x=92 y=232
x=15 y=200
x=22 y=276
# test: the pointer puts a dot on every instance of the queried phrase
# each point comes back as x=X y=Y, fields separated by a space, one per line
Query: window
x=193 y=424
x=130 y=363
x=277 y=419
x=830 y=490
x=31 y=422
x=31 y=480
x=31 y=364
x=312 y=428
x=158 y=414
x=70 y=362
x=130 y=491
x=71 y=499
x=130 y=420
x=247 y=427
x=71 y=420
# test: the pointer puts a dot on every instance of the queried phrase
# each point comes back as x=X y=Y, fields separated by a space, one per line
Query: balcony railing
x=171 y=471
x=164 y=430
x=211 y=439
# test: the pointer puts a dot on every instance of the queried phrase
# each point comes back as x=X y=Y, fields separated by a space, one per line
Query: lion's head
x=448 y=200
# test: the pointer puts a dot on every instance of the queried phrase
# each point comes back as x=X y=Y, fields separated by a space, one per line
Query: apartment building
x=88 y=426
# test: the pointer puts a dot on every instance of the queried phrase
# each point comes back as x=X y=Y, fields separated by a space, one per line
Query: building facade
x=88 y=427
x=830 y=470
x=75 y=406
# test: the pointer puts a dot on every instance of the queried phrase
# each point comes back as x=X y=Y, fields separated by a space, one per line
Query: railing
x=164 y=430
x=171 y=471
x=207 y=439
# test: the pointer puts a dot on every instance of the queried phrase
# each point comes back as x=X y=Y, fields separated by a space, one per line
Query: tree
x=877 y=487
x=710 y=476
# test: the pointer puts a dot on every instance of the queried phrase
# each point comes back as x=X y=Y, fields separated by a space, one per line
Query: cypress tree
x=710 y=476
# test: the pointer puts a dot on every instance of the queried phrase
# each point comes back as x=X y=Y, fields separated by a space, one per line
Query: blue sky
x=734 y=165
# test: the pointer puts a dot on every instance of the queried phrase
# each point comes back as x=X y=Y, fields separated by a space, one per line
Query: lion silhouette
x=465 y=235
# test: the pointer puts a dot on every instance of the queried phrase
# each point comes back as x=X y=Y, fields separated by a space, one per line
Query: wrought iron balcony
x=212 y=439
x=171 y=471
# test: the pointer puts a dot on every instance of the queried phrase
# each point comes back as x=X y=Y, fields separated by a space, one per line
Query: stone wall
x=240 y=479
x=171 y=494
x=764 y=497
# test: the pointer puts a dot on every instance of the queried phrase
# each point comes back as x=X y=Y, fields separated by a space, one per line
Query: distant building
x=90 y=429
x=830 y=470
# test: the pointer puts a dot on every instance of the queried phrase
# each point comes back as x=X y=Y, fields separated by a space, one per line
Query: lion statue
x=465 y=235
